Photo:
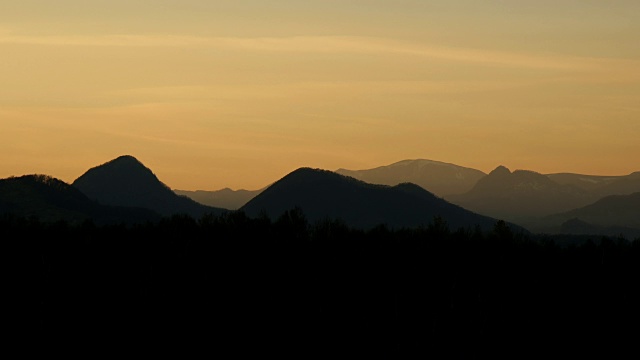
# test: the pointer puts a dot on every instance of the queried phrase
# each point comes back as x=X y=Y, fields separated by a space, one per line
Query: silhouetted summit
x=438 y=177
x=124 y=174
x=323 y=194
x=500 y=171
x=125 y=181
x=49 y=200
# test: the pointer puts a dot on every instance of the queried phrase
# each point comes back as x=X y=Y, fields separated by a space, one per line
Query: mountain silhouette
x=323 y=194
x=520 y=195
x=49 y=200
x=125 y=181
x=223 y=198
x=437 y=177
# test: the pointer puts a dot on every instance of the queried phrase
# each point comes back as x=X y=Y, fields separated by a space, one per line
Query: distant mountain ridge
x=50 y=200
x=125 y=181
x=601 y=186
x=585 y=182
x=224 y=198
x=323 y=194
x=437 y=177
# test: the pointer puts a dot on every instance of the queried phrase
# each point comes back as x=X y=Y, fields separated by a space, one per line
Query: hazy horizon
x=237 y=94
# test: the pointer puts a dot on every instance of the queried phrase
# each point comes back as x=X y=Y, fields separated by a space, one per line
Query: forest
x=288 y=287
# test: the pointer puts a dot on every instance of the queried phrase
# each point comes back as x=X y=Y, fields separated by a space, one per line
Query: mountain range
x=521 y=195
x=438 y=177
x=558 y=203
x=534 y=200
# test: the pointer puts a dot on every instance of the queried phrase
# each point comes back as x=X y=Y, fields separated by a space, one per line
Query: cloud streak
x=328 y=45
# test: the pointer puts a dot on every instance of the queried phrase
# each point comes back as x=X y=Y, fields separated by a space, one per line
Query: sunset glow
x=213 y=94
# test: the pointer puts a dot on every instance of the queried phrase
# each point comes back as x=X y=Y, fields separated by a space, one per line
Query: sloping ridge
x=613 y=210
x=125 y=181
x=50 y=199
x=325 y=194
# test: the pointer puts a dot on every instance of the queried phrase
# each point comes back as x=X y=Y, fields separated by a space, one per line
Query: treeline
x=287 y=287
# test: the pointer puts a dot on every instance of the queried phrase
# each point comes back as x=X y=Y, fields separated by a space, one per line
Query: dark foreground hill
x=125 y=181
x=437 y=177
x=50 y=200
x=322 y=194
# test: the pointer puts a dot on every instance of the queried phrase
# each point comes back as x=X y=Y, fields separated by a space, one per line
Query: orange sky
x=213 y=94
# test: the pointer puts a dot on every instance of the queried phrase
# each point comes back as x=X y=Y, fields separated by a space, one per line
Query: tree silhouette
x=229 y=282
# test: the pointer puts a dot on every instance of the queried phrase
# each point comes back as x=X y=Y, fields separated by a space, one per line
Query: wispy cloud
x=303 y=89
x=327 y=44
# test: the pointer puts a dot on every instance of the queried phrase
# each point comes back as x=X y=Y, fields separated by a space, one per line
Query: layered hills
x=323 y=194
x=521 y=195
x=50 y=200
x=124 y=190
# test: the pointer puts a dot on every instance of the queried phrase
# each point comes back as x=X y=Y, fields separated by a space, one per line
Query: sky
x=211 y=94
